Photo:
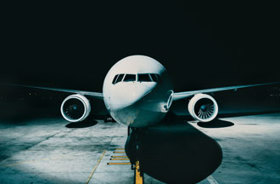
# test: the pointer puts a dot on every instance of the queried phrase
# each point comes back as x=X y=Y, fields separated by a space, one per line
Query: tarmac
x=50 y=150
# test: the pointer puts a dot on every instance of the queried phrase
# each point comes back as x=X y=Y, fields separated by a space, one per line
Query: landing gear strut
x=138 y=175
x=129 y=130
x=133 y=151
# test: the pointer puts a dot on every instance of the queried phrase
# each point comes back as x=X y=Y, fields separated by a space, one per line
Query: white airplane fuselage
x=143 y=93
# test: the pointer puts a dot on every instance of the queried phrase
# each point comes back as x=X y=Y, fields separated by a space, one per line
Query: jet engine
x=75 y=108
x=203 y=107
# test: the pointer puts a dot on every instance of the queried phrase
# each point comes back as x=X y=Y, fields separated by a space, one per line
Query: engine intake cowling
x=75 y=108
x=203 y=107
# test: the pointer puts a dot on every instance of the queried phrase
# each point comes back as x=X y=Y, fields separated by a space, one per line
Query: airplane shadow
x=174 y=152
x=83 y=124
x=217 y=123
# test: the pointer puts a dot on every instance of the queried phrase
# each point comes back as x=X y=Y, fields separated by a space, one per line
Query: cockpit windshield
x=148 y=77
x=144 y=78
x=117 y=78
x=141 y=77
x=155 y=77
x=129 y=78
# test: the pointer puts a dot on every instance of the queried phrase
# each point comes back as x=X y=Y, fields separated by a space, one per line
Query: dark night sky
x=73 y=45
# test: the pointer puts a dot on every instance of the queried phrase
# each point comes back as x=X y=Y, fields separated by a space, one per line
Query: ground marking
x=95 y=167
x=119 y=148
x=119 y=163
x=119 y=159
x=118 y=152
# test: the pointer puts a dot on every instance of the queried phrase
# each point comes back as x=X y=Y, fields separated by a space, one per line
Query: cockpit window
x=115 y=79
x=144 y=78
x=129 y=78
x=155 y=77
x=118 y=78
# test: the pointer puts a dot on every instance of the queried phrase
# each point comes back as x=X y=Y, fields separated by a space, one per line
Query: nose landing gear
x=138 y=175
x=133 y=150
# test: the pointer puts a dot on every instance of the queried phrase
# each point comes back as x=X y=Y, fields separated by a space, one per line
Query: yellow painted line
x=118 y=152
x=119 y=148
x=119 y=159
x=118 y=163
x=95 y=167
x=138 y=177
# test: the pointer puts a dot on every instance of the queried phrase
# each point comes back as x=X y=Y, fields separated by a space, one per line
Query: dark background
x=73 y=45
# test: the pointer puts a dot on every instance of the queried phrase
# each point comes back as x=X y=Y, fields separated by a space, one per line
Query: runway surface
x=251 y=149
x=49 y=150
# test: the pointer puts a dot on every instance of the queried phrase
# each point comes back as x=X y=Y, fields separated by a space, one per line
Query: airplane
x=137 y=92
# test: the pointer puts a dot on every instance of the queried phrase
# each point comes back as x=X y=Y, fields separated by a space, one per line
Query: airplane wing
x=88 y=93
x=181 y=95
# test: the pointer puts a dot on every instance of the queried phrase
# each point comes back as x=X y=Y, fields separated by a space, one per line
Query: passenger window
x=155 y=77
x=115 y=79
x=129 y=78
x=119 y=78
x=144 y=78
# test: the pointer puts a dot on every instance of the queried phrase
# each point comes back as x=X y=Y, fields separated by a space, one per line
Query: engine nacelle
x=203 y=107
x=75 y=108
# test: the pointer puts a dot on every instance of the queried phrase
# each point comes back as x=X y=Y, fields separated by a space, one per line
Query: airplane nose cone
x=139 y=93
x=133 y=94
